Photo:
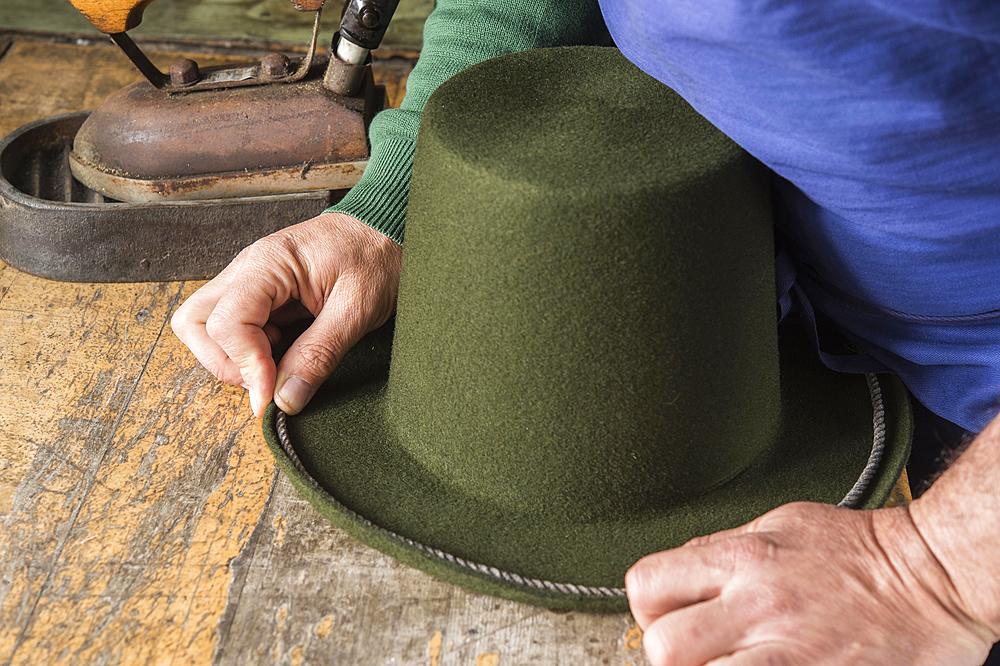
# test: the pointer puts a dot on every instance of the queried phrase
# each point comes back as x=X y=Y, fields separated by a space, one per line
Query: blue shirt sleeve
x=882 y=122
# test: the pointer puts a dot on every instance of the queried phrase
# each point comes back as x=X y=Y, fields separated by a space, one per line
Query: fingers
x=315 y=354
x=232 y=323
x=237 y=326
x=692 y=635
x=188 y=324
x=666 y=581
x=759 y=655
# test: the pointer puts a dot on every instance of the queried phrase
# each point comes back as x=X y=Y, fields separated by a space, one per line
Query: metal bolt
x=184 y=72
x=370 y=18
x=274 y=65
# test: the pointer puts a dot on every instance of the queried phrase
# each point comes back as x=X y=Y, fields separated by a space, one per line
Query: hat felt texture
x=585 y=366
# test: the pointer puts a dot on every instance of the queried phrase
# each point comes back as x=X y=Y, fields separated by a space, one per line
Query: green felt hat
x=585 y=366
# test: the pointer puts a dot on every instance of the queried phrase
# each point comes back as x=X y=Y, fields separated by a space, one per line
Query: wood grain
x=172 y=491
x=71 y=369
x=359 y=606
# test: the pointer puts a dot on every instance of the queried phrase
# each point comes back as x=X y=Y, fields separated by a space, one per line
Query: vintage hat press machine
x=173 y=175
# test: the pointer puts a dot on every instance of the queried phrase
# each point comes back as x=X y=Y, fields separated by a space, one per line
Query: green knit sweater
x=457 y=35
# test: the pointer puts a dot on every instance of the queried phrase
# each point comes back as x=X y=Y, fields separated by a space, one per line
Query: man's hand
x=805 y=584
x=331 y=267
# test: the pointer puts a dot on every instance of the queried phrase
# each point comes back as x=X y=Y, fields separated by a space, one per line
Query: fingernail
x=256 y=401
x=295 y=393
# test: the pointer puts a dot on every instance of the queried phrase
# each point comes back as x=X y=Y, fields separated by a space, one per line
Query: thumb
x=315 y=354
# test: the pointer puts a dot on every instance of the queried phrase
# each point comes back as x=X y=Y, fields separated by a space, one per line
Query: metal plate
x=147 y=145
x=53 y=226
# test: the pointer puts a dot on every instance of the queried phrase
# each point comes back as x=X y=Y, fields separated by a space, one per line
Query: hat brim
x=342 y=456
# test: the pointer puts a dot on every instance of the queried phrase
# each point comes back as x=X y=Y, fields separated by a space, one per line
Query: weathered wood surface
x=141 y=517
x=215 y=20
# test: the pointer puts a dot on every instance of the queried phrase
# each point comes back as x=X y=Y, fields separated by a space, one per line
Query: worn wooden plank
x=129 y=479
x=39 y=79
x=71 y=361
x=142 y=574
x=215 y=20
x=310 y=594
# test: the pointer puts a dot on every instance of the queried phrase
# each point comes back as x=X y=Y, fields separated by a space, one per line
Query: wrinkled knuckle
x=794 y=511
x=752 y=550
x=318 y=358
x=638 y=580
x=703 y=540
x=217 y=326
x=266 y=249
x=257 y=254
x=246 y=253
x=281 y=244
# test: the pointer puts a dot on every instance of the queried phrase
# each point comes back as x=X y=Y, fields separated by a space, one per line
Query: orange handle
x=112 y=16
x=308 y=5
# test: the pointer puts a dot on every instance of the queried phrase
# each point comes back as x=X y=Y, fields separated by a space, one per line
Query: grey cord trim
x=856 y=494
x=852 y=500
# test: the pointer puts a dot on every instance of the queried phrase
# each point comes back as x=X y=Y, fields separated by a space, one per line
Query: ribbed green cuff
x=379 y=198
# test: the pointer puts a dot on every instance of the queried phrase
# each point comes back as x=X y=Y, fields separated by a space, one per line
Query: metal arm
x=365 y=21
x=362 y=28
x=114 y=17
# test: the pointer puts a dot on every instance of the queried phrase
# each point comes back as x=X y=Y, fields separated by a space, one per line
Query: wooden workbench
x=142 y=519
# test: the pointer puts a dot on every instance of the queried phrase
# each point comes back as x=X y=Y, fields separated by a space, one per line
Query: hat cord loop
x=855 y=495
x=853 y=499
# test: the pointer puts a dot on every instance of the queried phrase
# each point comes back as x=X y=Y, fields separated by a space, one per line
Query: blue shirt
x=882 y=119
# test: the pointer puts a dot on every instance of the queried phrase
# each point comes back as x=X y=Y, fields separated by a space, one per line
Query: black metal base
x=54 y=227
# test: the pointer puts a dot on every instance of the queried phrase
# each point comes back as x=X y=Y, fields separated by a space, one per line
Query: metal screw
x=184 y=72
x=370 y=18
x=274 y=65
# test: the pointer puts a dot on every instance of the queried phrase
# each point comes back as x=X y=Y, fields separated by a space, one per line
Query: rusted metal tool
x=145 y=145
x=53 y=226
x=277 y=125
x=217 y=146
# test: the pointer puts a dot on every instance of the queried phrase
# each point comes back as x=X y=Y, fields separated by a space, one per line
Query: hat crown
x=572 y=341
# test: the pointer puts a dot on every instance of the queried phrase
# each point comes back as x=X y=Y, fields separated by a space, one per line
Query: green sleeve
x=457 y=35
